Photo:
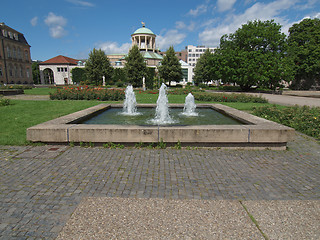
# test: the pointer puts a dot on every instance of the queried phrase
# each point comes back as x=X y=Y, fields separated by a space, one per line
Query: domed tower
x=145 y=39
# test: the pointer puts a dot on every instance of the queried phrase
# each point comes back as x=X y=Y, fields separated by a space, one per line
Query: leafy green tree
x=255 y=55
x=78 y=75
x=304 y=49
x=35 y=73
x=170 y=68
x=135 y=67
x=150 y=77
x=206 y=68
x=119 y=75
x=98 y=65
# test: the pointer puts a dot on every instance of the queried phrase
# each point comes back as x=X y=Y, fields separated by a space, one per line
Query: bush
x=4 y=101
x=16 y=87
x=220 y=97
x=86 y=93
x=303 y=119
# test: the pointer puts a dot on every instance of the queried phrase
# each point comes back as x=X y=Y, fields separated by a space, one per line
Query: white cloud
x=56 y=25
x=170 y=38
x=198 y=11
x=211 y=36
x=34 y=21
x=113 y=47
x=224 y=5
x=181 y=25
x=81 y=3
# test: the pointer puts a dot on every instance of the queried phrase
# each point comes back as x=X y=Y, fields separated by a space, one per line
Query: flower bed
x=303 y=119
x=220 y=97
x=86 y=93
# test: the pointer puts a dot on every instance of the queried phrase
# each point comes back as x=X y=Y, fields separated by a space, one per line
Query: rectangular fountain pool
x=252 y=132
x=144 y=116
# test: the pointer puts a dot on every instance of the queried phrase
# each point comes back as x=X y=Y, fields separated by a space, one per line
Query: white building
x=195 y=52
x=57 y=70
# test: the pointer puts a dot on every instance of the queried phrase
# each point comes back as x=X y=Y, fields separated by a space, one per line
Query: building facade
x=15 y=59
x=195 y=52
x=57 y=70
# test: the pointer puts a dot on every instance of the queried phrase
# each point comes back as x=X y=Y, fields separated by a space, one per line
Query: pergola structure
x=145 y=39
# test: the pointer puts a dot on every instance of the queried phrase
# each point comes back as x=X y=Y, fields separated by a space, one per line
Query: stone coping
x=254 y=133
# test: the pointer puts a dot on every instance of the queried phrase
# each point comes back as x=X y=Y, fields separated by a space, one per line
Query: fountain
x=189 y=106
x=215 y=125
x=162 y=115
x=130 y=103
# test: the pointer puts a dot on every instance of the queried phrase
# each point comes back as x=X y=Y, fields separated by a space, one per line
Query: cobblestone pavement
x=41 y=186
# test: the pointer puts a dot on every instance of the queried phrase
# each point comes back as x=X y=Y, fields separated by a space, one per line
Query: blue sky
x=74 y=27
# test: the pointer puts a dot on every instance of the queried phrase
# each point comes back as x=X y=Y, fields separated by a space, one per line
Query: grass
x=20 y=115
x=39 y=91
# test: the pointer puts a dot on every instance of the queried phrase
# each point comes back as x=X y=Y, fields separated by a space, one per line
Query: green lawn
x=16 y=118
x=20 y=115
x=39 y=91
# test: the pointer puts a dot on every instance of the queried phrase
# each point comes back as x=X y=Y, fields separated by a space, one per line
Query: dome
x=143 y=30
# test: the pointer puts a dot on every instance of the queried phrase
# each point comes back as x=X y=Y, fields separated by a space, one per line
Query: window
x=58 y=69
x=5 y=33
x=65 y=69
x=11 y=35
x=15 y=71
x=26 y=55
x=28 y=73
x=21 y=72
x=0 y=71
x=14 y=52
x=8 y=52
x=15 y=35
x=19 y=53
x=10 y=71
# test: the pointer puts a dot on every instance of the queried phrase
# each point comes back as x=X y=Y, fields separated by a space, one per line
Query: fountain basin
x=255 y=132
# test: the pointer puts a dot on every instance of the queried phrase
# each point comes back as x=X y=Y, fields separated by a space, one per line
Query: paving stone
x=41 y=186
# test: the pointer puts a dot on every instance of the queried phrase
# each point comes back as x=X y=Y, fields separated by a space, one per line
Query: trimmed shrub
x=86 y=93
x=303 y=119
x=221 y=97
x=4 y=101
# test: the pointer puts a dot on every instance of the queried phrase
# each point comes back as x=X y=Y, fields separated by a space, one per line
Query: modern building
x=195 y=52
x=15 y=60
x=57 y=70
x=182 y=55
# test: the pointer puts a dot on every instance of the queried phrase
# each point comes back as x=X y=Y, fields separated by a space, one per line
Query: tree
x=35 y=73
x=206 y=68
x=98 y=65
x=255 y=55
x=78 y=75
x=170 y=68
x=119 y=75
x=135 y=67
x=304 y=49
x=150 y=77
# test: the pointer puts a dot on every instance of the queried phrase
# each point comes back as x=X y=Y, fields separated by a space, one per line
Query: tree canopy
x=255 y=55
x=170 y=68
x=206 y=68
x=36 y=73
x=98 y=65
x=78 y=75
x=135 y=67
x=304 y=49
